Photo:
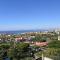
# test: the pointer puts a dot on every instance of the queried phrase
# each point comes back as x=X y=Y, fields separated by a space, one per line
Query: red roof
x=41 y=43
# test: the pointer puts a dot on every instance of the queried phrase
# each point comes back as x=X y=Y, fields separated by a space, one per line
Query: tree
x=3 y=50
x=19 y=51
x=39 y=39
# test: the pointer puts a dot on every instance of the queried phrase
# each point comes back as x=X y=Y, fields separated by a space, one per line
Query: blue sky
x=29 y=14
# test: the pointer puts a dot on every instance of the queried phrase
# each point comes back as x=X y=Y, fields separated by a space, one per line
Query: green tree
x=19 y=51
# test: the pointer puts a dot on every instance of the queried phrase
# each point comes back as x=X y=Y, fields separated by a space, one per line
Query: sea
x=17 y=31
x=20 y=31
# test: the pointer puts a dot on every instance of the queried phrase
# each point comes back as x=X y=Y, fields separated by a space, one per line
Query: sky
x=29 y=14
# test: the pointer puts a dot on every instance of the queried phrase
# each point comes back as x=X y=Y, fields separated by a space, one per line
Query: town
x=30 y=46
x=29 y=29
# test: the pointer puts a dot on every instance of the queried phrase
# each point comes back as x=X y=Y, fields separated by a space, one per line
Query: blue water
x=18 y=32
x=22 y=31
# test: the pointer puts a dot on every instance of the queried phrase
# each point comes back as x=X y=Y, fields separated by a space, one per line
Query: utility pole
x=42 y=57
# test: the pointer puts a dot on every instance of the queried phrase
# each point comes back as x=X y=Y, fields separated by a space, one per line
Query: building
x=40 y=43
x=46 y=58
x=59 y=38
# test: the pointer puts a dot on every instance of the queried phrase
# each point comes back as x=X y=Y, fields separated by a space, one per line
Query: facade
x=40 y=43
x=59 y=38
x=46 y=58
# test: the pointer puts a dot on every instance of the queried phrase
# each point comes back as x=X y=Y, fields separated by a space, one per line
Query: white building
x=59 y=38
x=46 y=58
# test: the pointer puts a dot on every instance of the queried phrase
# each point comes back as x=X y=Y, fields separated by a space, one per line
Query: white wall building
x=59 y=38
x=45 y=58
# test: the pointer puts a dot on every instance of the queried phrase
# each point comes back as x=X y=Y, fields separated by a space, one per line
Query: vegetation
x=54 y=44
x=39 y=39
x=52 y=50
x=21 y=51
x=3 y=50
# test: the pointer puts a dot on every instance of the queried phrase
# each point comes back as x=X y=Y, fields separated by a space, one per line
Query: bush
x=54 y=44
